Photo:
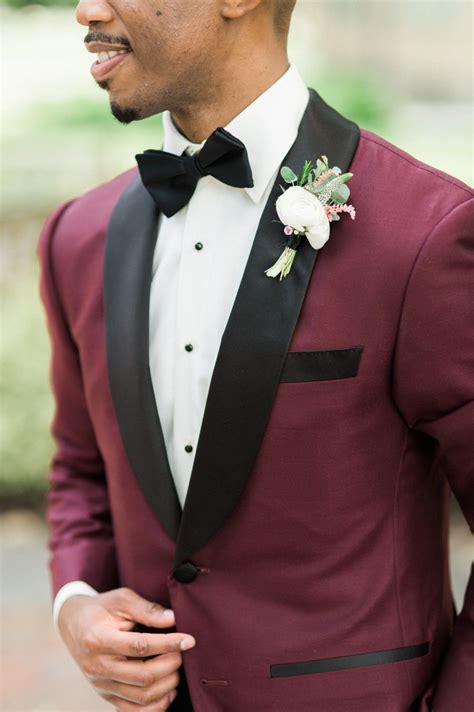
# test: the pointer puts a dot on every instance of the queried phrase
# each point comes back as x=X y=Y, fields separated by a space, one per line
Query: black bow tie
x=171 y=180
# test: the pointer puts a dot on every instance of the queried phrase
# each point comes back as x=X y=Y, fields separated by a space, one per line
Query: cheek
x=173 y=44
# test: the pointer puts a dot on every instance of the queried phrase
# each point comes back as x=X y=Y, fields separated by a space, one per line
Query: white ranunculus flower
x=303 y=211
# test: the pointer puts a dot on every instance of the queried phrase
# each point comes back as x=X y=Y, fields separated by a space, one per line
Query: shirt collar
x=268 y=128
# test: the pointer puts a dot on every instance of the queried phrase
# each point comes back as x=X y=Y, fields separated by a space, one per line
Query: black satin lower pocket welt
x=346 y=662
x=321 y=365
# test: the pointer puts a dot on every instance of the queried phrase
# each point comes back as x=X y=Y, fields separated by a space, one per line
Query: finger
x=129 y=604
x=140 y=696
x=124 y=706
x=140 y=645
x=139 y=672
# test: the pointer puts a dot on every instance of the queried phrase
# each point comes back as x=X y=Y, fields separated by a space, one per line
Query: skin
x=204 y=62
x=131 y=670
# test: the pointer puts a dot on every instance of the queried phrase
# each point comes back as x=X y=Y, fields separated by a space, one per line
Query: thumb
x=134 y=607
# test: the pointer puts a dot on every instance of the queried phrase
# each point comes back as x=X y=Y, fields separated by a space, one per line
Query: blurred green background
x=402 y=69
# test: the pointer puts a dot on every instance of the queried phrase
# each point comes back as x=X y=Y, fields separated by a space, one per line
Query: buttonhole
x=203 y=569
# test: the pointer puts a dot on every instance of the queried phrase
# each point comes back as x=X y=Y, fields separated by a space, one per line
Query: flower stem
x=283 y=264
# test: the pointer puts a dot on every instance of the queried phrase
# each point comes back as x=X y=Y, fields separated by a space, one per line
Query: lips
x=100 y=69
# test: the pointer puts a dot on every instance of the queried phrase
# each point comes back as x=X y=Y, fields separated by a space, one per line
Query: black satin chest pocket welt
x=321 y=365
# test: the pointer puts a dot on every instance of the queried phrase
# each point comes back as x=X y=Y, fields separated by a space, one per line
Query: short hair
x=282 y=10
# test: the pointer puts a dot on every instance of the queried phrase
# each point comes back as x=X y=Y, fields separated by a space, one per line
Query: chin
x=125 y=114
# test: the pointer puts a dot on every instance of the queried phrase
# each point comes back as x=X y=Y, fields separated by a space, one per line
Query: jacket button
x=186 y=572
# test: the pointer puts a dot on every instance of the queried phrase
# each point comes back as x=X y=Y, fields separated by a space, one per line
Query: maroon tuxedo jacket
x=310 y=560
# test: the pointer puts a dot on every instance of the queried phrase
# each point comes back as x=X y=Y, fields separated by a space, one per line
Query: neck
x=232 y=95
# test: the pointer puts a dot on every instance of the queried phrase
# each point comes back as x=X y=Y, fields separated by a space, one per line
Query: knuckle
x=144 y=698
x=125 y=592
x=90 y=641
x=89 y=669
x=154 y=608
x=171 y=643
x=140 y=645
x=145 y=679
x=96 y=668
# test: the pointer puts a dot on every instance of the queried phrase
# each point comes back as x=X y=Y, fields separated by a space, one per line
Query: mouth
x=108 y=57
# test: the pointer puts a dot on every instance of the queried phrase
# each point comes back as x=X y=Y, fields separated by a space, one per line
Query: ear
x=233 y=9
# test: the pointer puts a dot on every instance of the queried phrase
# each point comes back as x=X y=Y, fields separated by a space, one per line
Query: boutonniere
x=316 y=197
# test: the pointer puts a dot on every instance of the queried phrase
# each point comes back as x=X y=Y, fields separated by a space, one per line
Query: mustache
x=107 y=39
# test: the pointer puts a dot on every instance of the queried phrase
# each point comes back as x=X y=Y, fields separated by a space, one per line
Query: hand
x=97 y=630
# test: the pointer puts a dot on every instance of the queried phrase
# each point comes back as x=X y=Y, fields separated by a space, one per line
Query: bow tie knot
x=192 y=166
x=171 y=180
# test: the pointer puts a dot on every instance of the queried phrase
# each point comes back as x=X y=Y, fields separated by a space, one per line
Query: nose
x=88 y=11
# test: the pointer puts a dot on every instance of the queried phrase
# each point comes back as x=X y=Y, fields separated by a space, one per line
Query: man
x=268 y=458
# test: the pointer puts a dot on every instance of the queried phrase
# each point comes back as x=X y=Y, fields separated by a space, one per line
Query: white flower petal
x=303 y=211
x=318 y=235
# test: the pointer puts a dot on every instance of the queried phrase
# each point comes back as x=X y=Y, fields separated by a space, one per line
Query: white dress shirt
x=198 y=263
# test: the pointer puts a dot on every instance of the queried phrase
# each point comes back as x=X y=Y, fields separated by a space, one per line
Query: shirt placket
x=190 y=337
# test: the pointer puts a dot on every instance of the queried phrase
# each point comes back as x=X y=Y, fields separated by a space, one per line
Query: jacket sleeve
x=434 y=388
x=81 y=537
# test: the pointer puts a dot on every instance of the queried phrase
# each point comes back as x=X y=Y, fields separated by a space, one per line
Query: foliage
x=27 y=406
x=84 y=114
x=18 y=4
x=357 y=96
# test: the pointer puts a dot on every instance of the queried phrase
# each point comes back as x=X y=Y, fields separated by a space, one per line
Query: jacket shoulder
x=407 y=176
x=86 y=215
x=400 y=201
x=73 y=236
x=77 y=221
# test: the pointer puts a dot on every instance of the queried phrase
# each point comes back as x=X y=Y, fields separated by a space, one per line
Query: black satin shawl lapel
x=255 y=343
x=128 y=262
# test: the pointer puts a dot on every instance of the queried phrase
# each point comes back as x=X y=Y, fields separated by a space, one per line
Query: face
x=168 y=52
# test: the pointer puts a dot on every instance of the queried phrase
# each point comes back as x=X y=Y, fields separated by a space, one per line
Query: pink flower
x=332 y=209
x=288 y=230
x=322 y=177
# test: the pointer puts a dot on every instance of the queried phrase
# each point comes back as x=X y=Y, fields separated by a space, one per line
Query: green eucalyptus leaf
x=320 y=167
x=336 y=217
x=345 y=177
x=326 y=182
x=341 y=194
x=318 y=189
x=288 y=175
